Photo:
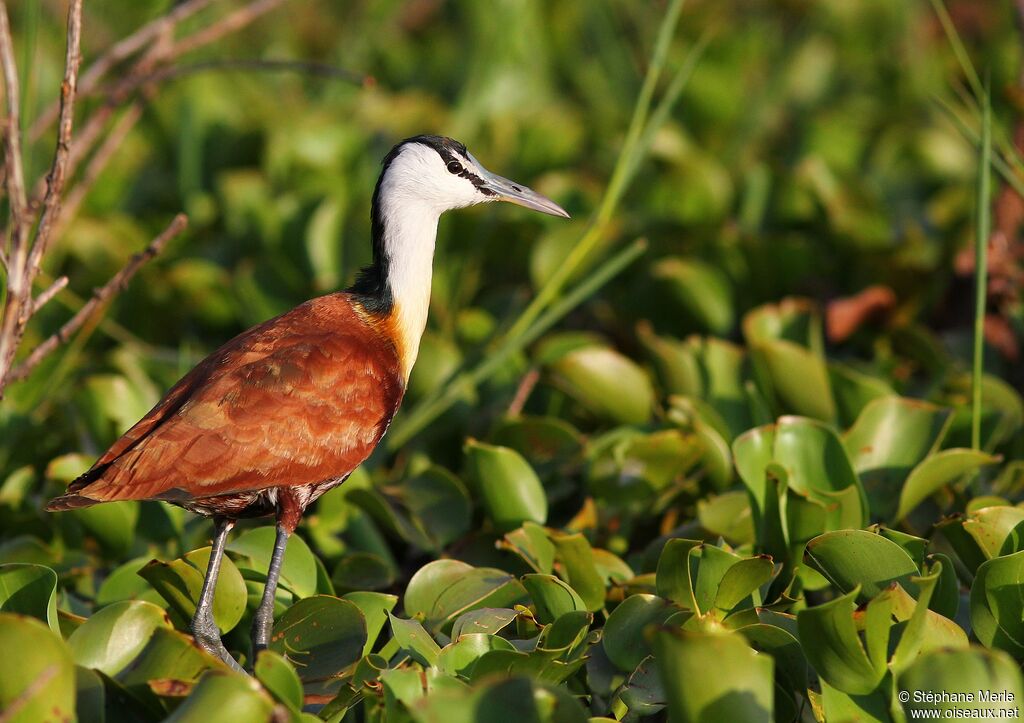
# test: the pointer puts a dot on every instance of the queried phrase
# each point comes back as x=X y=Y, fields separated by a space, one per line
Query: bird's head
x=441 y=173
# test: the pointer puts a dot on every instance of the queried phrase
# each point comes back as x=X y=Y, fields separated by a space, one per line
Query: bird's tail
x=73 y=501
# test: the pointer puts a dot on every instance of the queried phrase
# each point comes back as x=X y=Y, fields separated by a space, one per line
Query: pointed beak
x=518 y=194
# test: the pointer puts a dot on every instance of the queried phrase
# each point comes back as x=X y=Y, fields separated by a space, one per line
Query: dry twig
x=117 y=283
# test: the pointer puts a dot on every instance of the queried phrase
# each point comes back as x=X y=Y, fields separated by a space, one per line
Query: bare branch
x=523 y=391
x=121 y=51
x=117 y=283
x=229 y=24
x=55 y=288
x=58 y=171
x=20 y=221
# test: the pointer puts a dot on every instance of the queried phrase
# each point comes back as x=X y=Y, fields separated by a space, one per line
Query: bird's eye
x=454 y=167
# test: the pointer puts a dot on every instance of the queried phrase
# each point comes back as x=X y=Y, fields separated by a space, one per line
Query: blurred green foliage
x=684 y=514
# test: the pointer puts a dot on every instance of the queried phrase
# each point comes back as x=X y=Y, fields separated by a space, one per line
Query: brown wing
x=300 y=399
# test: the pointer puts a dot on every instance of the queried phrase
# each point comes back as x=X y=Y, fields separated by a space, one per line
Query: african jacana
x=286 y=410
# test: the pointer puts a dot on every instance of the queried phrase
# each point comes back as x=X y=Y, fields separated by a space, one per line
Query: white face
x=419 y=174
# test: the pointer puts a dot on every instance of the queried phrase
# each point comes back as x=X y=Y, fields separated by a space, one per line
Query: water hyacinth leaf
x=551 y=597
x=873 y=707
x=442 y=590
x=362 y=571
x=521 y=699
x=532 y=543
x=797 y=378
x=701 y=290
x=221 y=697
x=891 y=436
x=630 y=468
x=509 y=488
x=489 y=621
x=414 y=641
x=707 y=568
x=544 y=441
x=125 y=583
x=624 y=641
x=30 y=590
x=439 y=503
x=991 y=526
x=606 y=383
x=168 y=655
x=673 y=573
x=90 y=695
x=745 y=694
x=279 y=677
x=320 y=636
x=577 y=561
x=37 y=673
x=180 y=583
x=566 y=633
x=937 y=471
x=643 y=693
x=112 y=637
x=852 y=559
x=375 y=607
x=782 y=645
x=742 y=580
x=459 y=657
x=997 y=608
x=298 y=570
x=854 y=390
x=112 y=524
x=965 y=671
x=837 y=653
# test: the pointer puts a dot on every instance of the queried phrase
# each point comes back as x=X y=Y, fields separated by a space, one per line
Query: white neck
x=410 y=230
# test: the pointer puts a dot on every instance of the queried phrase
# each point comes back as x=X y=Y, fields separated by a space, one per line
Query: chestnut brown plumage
x=288 y=409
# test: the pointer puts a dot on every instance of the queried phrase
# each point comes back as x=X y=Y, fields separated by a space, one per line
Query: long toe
x=215 y=647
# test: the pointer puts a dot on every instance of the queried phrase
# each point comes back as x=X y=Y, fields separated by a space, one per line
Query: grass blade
x=983 y=219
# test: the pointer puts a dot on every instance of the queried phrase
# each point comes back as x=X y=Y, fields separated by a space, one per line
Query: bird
x=286 y=410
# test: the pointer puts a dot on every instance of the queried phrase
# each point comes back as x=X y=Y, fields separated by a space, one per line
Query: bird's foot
x=207 y=637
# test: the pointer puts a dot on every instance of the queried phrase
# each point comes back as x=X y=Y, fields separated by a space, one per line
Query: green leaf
x=958 y=672
x=741 y=580
x=745 y=693
x=125 y=583
x=37 y=673
x=577 y=561
x=532 y=543
x=180 y=583
x=414 y=641
x=509 y=488
x=991 y=526
x=321 y=636
x=489 y=621
x=222 y=697
x=606 y=383
x=997 y=604
x=836 y=651
x=112 y=524
x=113 y=637
x=624 y=641
x=673 y=574
x=298 y=570
x=442 y=590
x=727 y=515
x=29 y=590
x=702 y=290
x=279 y=677
x=362 y=571
x=375 y=607
x=458 y=658
x=551 y=597
x=937 y=471
x=521 y=699
x=890 y=437
x=852 y=559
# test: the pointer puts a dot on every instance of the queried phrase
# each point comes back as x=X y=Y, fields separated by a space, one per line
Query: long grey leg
x=263 y=620
x=204 y=629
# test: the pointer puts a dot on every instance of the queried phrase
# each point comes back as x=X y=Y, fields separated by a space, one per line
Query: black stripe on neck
x=371 y=284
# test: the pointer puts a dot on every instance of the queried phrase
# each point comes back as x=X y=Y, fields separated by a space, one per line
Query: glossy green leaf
x=320 y=635
x=180 y=583
x=576 y=558
x=459 y=657
x=442 y=590
x=952 y=672
x=298 y=571
x=511 y=492
x=837 y=652
x=701 y=290
x=414 y=641
x=853 y=559
x=222 y=697
x=112 y=637
x=608 y=384
x=997 y=604
x=745 y=694
x=551 y=597
x=532 y=543
x=937 y=471
x=29 y=590
x=489 y=621
x=375 y=607
x=624 y=640
x=37 y=673
x=991 y=526
x=278 y=676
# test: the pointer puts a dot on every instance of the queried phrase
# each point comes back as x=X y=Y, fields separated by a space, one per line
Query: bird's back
x=298 y=401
